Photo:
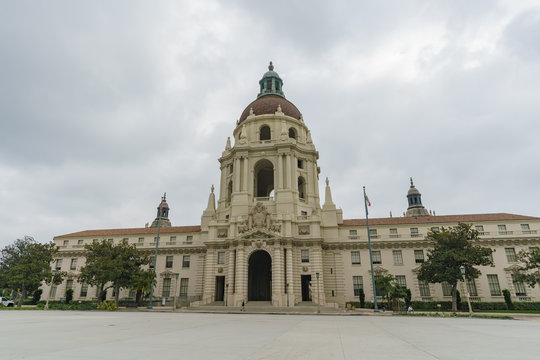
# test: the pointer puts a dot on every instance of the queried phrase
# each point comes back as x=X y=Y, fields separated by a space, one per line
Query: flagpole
x=155 y=254
x=375 y=309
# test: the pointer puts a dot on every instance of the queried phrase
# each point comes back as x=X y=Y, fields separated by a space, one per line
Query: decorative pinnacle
x=212 y=189
x=412 y=185
x=271 y=67
x=164 y=196
x=327 y=182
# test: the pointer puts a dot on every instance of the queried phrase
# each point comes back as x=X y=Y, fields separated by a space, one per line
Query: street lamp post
x=287 y=291
x=318 y=297
x=226 y=293
x=53 y=272
x=156 y=252
x=462 y=269
x=175 y=291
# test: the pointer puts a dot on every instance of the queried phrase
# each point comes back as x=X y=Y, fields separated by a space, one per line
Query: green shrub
x=508 y=299
x=107 y=305
x=362 y=298
x=36 y=296
x=69 y=295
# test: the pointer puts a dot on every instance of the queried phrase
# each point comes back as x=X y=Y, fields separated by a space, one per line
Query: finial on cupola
x=271 y=67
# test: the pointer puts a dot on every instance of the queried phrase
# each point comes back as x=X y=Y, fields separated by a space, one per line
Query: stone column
x=240 y=275
x=280 y=172
x=236 y=175
x=209 y=280
x=230 y=277
x=245 y=174
x=288 y=169
x=277 y=283
x=290 y=275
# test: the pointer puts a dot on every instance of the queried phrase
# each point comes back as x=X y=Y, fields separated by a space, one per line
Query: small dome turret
x=162 y=213
x=415 y=202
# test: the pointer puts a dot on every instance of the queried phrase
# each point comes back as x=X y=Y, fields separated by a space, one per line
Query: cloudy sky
x=104 y=105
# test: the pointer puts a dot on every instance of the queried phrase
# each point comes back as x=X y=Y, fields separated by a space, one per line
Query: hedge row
x=447 y=305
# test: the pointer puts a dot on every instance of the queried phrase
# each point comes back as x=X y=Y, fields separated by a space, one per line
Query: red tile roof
x=132 y=231
x=437 y=219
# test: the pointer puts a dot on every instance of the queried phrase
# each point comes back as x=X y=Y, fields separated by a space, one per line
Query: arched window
x=229 y=192
x=264 y=178
x=292 y=133
x=264 y=132
x=301 y=188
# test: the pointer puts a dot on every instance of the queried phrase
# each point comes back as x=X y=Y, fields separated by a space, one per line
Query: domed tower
x=162 y=214
x=267 y=205
x=415 y=202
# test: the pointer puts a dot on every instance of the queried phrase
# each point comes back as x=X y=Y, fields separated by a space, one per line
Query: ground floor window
x=424 y=288
x=401 y=281
x=494 y=286
x=184 y=286
x=519 y=287
x=358 y=284
x=446 y=289
x=84 y=289
x=166 y=292
x=471 y=288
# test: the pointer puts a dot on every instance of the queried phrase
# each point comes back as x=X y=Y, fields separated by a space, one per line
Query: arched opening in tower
x=301 y=188
x=264 y=133
x=264 y=178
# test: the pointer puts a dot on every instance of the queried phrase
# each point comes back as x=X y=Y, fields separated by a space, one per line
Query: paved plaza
x=153 y=335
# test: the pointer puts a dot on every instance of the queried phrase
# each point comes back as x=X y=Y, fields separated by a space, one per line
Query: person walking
x=243 y=306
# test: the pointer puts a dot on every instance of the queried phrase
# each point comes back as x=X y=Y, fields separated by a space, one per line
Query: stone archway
x=260 y=276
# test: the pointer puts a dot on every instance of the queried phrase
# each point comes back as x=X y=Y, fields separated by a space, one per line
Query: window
x=292 y=133
x=185 y=261
x=355 y=257
x=471 y=287
x=301 y=188
x=414 y=232
x=169 y=261
x=333 y=294
x=300 y=164
x=510 y=254
x=490 y=257
x=264 y=133
x=303 y=213
x=80 y=242
x=305 y=256
x=494 y=287
x=501 y=227
x=358 y=284
x=173 y=240
x=125 y=239
x=353 y=234
x=398 y=257
x=519 y=287
x=434 y=229
x=376 y=257
x=221 y=257
x=533 y=249
x=525 y=227
x=84 y=289
x=69 y=284
x=424 y=288
x=446 y=289
x=479 y=228
x=66 y=242
x=141 y=240
x=401 y=281
x=189 y=239
x=184 y=286
x=418 y=256
x=52 y=293
x=166 y=288
x=58 y=264
x=95 y=241
x=393 y=233
x=73 y=265
x=373 y=233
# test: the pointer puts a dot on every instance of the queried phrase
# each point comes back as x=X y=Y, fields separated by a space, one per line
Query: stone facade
x=269 y=239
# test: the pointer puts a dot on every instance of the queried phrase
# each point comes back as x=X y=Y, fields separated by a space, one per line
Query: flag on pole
x=367 y=200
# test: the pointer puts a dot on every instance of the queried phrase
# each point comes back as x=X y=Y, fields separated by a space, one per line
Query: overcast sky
x=104 y=105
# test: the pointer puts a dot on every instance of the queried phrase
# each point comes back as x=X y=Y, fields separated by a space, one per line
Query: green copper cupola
x=271 y=83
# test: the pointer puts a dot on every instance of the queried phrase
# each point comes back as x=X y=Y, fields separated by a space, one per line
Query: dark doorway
x=260 y=276
x=306 y=291
x=220 y=287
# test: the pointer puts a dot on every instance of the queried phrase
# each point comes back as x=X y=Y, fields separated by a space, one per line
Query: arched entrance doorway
x=260 y=276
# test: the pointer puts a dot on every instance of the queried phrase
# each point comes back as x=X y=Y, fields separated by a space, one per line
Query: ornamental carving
x=259 y=224
x=303 y=230
x=222 y=233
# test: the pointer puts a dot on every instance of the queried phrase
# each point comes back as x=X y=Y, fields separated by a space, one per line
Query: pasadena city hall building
x=268 y=238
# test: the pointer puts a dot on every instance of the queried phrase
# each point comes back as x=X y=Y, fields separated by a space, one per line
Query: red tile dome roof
x=268 y=104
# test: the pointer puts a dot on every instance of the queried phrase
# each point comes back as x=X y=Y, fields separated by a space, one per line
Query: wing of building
x=269 y=238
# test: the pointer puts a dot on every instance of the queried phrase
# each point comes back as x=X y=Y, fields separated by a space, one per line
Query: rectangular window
x=221 y=257
x=398 y=257
x=125 y=239
x=519 y=287
x=353 y=234
x=418 y=256
x=393 y=233
x=401 y=281
x=173 y=240
x=300 y=164
x=479 y=228
x=435 y=229
x=533 y=249
x=305 y=256
x=471 y=287
x=166 y=288
x=501 y=227
x=490 y=257
x=169 y=261
x=355 y=257
x=184 y=286
x=69 y=284
x=446 y=289
x=52 y=294
x=494 y=286
x=373 y=233
x=185 y=261
x=141 y=240
x=414 y=232
x=376 y=257
x=80 y=242
x=189 y=239
x=73 y=265
x=510 y=254
x=58 y=264
x=358 y=284
x=95 y=241
x=66 y=242
x=525 y=227
x=84 y=289
x=424 y=288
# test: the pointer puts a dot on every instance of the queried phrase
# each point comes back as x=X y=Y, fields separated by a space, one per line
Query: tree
x=388 y=288
x=25 y=264
x=452 y=248
x=530 y=266
x=109 y=265
x=142 y=281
